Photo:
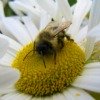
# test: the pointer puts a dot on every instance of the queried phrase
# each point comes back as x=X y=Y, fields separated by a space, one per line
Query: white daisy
x=70 y=77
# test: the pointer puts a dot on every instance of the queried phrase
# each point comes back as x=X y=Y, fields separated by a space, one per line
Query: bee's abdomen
x=44 y=48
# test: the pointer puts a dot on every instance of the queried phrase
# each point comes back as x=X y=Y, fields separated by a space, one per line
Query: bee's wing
x=56 y=27
x=62 y=26
x=52 y=25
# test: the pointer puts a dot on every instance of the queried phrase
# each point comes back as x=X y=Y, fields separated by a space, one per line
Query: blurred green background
x=71 y=2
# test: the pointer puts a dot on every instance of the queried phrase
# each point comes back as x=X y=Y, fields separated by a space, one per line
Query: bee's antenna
x=28 y=54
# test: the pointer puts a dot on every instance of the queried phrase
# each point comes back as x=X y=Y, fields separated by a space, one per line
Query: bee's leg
x=34 y=46
x=43 y=60
x=55 y=57
x=69 y=38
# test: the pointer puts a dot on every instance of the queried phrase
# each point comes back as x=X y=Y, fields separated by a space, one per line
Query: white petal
x=16 y=96
x=79 y=94
x=30 y=26
x=45 y=19
x=88 y=82
x=72 y=8
x=76 y=94
x=95 y=32
x=92 y=69
x=95 y=14
x=84 y=22
x=17 y=29
x=12 y=44
x=92 y=37
x=68 y=95
x=81 y=9
x=20 y=7
x=63 y=10
x=8 y=77
x=48 y=98
x=6 y=60
x=91 y=72
x=4 y=44
x=49 y=6
x=1 y=9
x=59 y=97
x=15 y=8
x=40 y=98
x=89 y=46
x=81 y=35
x=5 y=31
x=7 y=90
x=28 y=2
x=93 y=65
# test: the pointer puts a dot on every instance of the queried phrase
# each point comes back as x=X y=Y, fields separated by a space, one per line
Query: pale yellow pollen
x=78 y=94
x=39 y=81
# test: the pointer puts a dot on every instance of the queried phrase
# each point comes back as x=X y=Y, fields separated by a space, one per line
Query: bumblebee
x=51 y=39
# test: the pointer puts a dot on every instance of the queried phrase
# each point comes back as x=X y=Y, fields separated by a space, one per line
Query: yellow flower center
x=39 y=81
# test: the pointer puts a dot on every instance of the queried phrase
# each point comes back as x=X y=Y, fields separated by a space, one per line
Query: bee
x=51 y=39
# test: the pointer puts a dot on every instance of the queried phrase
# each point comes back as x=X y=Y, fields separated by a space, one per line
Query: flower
x=16 y=42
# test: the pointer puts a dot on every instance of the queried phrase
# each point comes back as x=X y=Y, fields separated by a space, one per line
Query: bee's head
x=44 y=48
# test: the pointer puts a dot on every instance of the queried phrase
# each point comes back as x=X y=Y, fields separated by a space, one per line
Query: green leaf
x=8 y=11
x=71 y=2
x=96 y=95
